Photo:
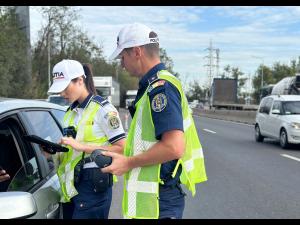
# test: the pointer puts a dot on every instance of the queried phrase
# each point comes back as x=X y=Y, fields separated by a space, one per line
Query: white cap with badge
x=133 y=35
x=63 y=73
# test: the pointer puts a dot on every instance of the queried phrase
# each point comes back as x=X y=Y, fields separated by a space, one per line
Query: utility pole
x=48 y=57
x=211 y=64
x=218 y=60
x=22 y=13
x=249 y=88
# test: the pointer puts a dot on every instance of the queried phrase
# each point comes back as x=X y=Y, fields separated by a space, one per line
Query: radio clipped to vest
x=69 y=132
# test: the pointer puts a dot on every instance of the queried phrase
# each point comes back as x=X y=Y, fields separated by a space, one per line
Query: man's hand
x=120 y=164
x=4 y=176
x=72 y=142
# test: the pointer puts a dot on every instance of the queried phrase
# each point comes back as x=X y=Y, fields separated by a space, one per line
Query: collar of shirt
x=143 y=84
x=152 y=72
x=83 y=104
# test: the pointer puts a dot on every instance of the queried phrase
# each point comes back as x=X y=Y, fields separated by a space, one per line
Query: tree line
x=58 y=38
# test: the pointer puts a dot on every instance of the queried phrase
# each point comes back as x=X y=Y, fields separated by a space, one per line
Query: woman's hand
x=73 y=143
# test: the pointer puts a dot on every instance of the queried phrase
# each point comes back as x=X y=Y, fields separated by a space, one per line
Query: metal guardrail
x=241 y=116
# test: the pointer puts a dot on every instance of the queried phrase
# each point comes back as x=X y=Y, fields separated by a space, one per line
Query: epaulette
x=153 y=79
x=156 y=84
x=102 y=101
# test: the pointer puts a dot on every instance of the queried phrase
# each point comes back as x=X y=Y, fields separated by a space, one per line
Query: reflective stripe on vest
x=140 y=199
x=69 y=159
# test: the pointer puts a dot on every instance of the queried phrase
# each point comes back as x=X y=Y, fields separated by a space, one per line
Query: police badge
x=159 y=102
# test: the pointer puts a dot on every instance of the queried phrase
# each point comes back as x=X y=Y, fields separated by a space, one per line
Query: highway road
x=245 y=179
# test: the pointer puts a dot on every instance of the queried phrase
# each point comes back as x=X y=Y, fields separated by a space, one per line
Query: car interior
x=10 y=155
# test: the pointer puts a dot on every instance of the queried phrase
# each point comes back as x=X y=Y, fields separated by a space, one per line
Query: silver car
x=278 y=117
x=33 y=188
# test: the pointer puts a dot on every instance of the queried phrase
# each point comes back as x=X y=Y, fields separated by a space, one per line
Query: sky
x=246 y=36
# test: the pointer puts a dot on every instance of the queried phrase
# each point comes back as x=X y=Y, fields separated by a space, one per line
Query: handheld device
x=101 y=160
x=49 y=146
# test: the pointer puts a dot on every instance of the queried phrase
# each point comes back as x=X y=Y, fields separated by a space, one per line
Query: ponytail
x=88 y=80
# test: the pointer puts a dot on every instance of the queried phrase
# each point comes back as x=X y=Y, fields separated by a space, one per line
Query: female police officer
x=97 y=123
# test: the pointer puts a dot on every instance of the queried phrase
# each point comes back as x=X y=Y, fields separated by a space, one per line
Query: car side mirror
x=276 y=111
x=17 y=205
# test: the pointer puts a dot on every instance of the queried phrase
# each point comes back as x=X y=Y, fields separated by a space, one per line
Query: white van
x=278 y=117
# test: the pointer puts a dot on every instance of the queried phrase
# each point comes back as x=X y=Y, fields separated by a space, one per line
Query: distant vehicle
x=194 y=104
x=287 y=86
x=108 y=88
x=33 y=190
x=278 y=117
x=223 y=93
x=266 y=90
x=57 y=99
x=130 y=96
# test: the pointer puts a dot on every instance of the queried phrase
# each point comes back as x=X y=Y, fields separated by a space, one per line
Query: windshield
x=103 y=91
x=130 y=96
x=58 y=100
x=292 y=107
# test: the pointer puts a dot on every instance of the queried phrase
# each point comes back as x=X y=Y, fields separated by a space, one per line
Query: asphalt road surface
x=246 y=179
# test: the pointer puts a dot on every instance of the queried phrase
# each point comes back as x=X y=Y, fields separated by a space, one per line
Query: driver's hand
x=4 y=176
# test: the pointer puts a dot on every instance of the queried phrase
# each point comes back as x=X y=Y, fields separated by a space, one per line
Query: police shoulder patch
x=113 y=121
x=159 y=102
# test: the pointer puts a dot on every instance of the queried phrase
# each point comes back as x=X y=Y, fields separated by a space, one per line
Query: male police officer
x=162 y=148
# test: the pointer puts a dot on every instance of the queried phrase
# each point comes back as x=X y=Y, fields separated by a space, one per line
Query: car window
x=268 y=105
x=26 y=177
x=15 y=153
x=262 y=105
x=45 y=126
x=277 y=105
x=59 y=115
x=291 y=107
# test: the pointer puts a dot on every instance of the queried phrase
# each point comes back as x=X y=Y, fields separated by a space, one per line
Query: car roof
x=285 y=97
x=7 y=104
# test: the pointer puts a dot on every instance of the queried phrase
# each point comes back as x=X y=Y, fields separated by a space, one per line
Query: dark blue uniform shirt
x=170 y=118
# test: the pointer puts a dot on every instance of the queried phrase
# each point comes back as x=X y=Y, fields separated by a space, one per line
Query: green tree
x=196 y=92
x=65 y=40
x=13 y=59
x=235 y=73
x=272 y=75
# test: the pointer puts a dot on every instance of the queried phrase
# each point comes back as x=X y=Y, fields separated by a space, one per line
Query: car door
x=28 y=168
x=47 y=125
x=26 y=157
x=275 y=119
x=268 y=118
x=261 y=116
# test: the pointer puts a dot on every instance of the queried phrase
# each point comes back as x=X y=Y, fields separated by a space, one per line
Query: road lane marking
x=291 y=157
x=210 y=131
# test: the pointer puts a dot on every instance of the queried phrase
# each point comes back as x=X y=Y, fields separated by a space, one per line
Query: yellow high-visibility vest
x=141 y=184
